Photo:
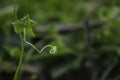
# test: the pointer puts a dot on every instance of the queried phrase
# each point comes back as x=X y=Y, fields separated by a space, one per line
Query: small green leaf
x=17 y=26
x=27 y=22
x=32 y=23
x=30 y=32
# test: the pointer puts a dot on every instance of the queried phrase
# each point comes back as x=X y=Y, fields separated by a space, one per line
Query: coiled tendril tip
x=53 y=50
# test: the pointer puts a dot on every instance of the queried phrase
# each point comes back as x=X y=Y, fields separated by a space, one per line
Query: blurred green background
x=61 y=22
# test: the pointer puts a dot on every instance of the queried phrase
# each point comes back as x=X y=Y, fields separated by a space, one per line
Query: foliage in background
x=68 y=63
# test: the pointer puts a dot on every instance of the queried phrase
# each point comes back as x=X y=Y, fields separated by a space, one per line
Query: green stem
x=24 y=34
x=45 y=47
x=15 y=10
x=20 y=60
x=39 y=51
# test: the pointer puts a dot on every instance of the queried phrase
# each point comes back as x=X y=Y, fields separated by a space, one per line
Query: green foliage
x=70 y=47
x=25 y=23
x=14 y=52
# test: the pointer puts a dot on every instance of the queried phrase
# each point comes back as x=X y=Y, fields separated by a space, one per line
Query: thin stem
x=39 y=51
x=32 y=46
x=24 y=34
x=45 y=47
x=15 y=10
x=20 y=60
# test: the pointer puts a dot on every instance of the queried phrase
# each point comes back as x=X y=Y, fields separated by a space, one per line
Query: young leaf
x=17 y=26
x=30 y=32
x=27 y=22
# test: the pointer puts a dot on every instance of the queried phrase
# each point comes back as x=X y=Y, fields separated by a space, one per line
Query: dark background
x=86 y=33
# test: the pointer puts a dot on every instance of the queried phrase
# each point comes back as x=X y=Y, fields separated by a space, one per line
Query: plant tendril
x=52 y=50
